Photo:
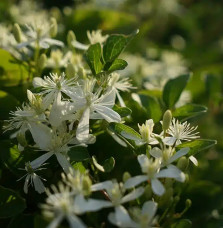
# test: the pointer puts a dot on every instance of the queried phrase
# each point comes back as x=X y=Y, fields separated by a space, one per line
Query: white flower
x=93 y=106
x=168 y=155
x=94 y=37
x=38 y=34
x=54 y=84
x=61 y=205
x=33 y=179
x=119 y=85
x=54 y=143
x=152 y=170
x=179 y=132
x=141 y=218
x=116 y=193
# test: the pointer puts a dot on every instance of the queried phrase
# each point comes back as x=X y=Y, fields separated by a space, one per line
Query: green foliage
x=173 y=89
x=78 y=153
x=106 y=166
x=11 y=203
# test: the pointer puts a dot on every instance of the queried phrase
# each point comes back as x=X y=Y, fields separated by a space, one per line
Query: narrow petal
x=134 y=181
x=83 y=205
x=79 y=45
x=179 y=154
x=53 y=42
x=193 y=160
x=56 y=221
x=75 y=222
x=107 y=113
x=38 y=184
x=143 y=160
x=103 y=185
x=133 y=195
x=169 y=140
x=156 y=152
x=82 y=132
x=64 y=163
x=149 y=208
x=26 y=184
x=157 y=187
x=38 y=82
x=40 y=160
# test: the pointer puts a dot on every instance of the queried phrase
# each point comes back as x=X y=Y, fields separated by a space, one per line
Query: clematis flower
x=180 y=132
x=31 y=178
x=141 y=218
x=93 y=37
x=123 y=85
x=151 y=169
x=52 y=142
x=93 y=106
x=38 y=34
x=53 y=85
x=60 y=205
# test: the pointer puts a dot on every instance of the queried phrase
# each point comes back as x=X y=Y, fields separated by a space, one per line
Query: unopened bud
x=86 y=184
x=188 y=203
x=42 y=61
x=21 y=139
x=148 y=191
x=126 y=176
x=167 y=117
x=70 y=38
x=53 y=27
x=183 y=163
x=70 y=70
x=17 y=33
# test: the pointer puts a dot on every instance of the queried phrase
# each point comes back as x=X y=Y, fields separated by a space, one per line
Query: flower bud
x=70 y=71
x=17 y=33
x=42 y=61
x=86 y=184
x=126 y=176
x=21 y=139
x=188 y=203
x=70 y=38
x=167 y=117
x=183 y=163
x=53 y=27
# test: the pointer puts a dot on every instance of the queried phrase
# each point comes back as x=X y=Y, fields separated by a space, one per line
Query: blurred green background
x=191 y=29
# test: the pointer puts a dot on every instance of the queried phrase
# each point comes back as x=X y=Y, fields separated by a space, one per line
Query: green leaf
x=198 y=145
x=12 y=158
x=22 y=221
x=7 y=104
x=126 y=133
x=11 y=203
x=107 y=165
x=118 y=64
x=93 y=58
x=114 y=45
x=188 y=111
x=11 y=74
x=78 y=154
x=173 y=89
x=122 y=111
x=152 y=107
x=183 y=223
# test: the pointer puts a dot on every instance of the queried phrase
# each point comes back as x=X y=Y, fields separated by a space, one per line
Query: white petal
x=103 y=185
x=38 y=184
x=179 y=154
x=64 y=163
x=149 y=208
x=75 y=222
x=53 y=42
x=133 y=195
x=134 y=181
x=107 y=113
x=193 y=160
x=156 y=152
x=41 y=135
x=79 y=45
x=56 y=221
x=38 y=82
x=121 y=218
x=157 y=187
x=143 y=160
x=108 y=99
x=83 y=205
x=48 y=99
x=169 y=141
x=40 y=160
x=26 y=184
x=122 y=103
x=82 y=132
